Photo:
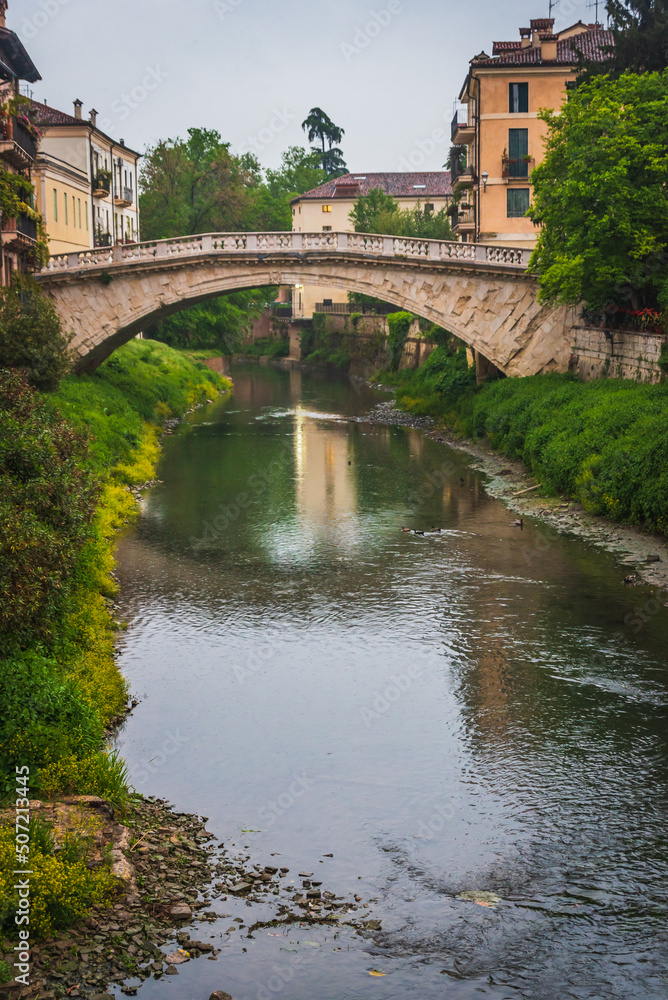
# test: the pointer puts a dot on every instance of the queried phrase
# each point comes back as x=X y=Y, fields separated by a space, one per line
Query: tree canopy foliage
x=640 y=29
x=378 y=212
x=601 y=196
x=31 y=338
x=319 y=126
x=198 y=185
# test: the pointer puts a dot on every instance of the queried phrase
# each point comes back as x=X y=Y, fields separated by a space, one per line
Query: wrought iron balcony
x=19 y=234
x=461 y=133
x=124 y=197
x=17 y=144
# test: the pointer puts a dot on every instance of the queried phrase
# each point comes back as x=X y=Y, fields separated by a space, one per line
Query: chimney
x=77 y=108
x=539 y=26
x=93 y=116
x=3 y=12
x=525 y=35
x=548 y=47
x=122 y=142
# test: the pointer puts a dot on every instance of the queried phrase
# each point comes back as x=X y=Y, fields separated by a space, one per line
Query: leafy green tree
x=601 y=196
x=640 y=30
x=31 y=338
x=319 y=126
x=193 y=186
x=378 y=212
x=220 y=323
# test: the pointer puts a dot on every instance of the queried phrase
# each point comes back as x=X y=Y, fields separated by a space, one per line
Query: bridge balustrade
x=299 y=243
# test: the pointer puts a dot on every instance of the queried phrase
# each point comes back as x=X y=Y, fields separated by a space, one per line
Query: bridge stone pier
x=482 y=294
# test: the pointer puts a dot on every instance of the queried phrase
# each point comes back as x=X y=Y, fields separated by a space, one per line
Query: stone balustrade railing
x=278 y=243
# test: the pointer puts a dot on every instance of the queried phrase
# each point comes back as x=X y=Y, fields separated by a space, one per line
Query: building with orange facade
x=499 y=128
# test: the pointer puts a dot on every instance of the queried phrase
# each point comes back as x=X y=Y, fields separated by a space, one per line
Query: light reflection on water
x=467 y=714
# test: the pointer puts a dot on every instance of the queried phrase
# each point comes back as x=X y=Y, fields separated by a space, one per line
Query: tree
x=220 y=323
x=601 y=198
x=320 y=126
x=193 y=186
x=299 y=171
x=640 y=40
x=31 y=338
x=378 y=212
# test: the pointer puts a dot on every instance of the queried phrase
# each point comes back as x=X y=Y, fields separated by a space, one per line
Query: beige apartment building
x=327 y=208
x=86 y=182
x=500 y=128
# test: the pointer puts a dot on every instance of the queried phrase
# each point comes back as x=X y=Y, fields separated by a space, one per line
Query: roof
x=45 y=116
x=591 y=44
x=432 y=184
x=15 y=57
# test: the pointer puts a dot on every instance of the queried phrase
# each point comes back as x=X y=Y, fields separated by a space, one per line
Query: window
x=86 y=214
x=429 y=206
x=79 y=210
x=65 y=204
x=518 y=202
x=327 y=208
x=519 y=98
x=55 y=205
x=74 y=211
x=326 y=229
x=518 y=152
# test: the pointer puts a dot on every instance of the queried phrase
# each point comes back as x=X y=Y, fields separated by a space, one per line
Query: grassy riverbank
x=603 y=443
x=66 y=460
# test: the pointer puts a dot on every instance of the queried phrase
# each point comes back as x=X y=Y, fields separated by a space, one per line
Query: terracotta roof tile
x=44 y=115
x=432 y=184
x=591 y=44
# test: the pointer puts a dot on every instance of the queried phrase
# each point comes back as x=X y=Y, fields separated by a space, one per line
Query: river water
x=443 y=713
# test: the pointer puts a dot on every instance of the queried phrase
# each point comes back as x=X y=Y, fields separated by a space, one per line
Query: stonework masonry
x=493 y=309
x=617 y=354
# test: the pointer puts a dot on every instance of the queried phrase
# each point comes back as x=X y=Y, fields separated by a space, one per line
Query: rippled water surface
x=457 y=711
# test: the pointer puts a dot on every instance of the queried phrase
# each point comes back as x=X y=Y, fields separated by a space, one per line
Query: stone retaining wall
x=617 y=354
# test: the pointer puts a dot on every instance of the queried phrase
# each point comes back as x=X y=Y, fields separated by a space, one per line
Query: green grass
x=142 y=381
x=604 y=443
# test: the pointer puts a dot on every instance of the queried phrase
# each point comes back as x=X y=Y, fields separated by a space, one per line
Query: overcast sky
x=387 y=71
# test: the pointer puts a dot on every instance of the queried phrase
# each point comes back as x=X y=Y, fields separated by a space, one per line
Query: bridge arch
x=106 y=297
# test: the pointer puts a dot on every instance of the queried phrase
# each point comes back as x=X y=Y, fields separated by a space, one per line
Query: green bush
x=47 y=503
x=603 y=442
x=329 y=356
x=31 y=339
x=268 y=347
x=399 y=324
x=436 y=386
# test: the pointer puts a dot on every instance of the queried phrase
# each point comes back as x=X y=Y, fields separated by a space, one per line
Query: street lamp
x=485 y=178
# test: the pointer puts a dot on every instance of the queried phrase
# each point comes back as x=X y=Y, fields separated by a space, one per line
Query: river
x=459 y=711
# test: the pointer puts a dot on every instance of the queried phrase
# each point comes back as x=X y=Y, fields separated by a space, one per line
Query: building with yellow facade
x=327 y=208
x=500 y=129
x=86 y=182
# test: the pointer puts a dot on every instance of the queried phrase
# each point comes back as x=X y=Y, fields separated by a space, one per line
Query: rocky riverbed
x=173 y=876
x=645 y=556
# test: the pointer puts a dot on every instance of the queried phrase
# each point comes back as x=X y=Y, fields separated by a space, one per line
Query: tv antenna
x=595 y=4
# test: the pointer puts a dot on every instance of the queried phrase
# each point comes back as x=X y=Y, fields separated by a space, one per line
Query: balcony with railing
x=18 y=145
x=516 y=168
x=19 y=234
x=124 y=197
x=461 y=133
x=102 y=239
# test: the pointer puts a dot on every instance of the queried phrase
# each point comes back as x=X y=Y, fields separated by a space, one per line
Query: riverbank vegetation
x=603 y=443
x=65 y=462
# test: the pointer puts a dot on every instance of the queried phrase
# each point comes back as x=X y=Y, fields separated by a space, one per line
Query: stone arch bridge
x=480 y=293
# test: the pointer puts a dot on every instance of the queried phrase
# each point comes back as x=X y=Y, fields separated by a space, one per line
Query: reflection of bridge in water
x=480 y=293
